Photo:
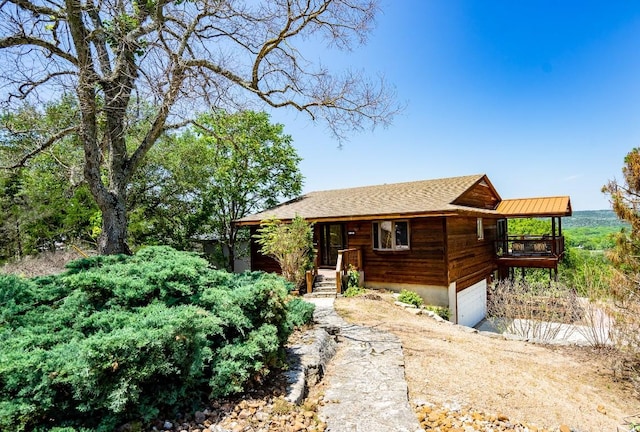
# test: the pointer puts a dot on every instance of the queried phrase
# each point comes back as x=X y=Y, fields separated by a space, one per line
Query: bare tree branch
x=181 y=58
x=45 y=145
x=36 y=9
x=26 y=88
x=19 y=41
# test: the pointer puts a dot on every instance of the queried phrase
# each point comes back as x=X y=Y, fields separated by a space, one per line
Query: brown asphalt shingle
x=397 y=199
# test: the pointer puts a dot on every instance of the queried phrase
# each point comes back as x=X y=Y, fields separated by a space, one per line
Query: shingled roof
x=418 y=198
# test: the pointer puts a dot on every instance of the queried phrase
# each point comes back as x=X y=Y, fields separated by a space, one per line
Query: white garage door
x=472 y=304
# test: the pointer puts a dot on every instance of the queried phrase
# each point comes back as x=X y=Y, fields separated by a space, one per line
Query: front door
x=331 y=241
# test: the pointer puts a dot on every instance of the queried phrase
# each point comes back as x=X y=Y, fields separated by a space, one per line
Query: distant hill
x=593 y=218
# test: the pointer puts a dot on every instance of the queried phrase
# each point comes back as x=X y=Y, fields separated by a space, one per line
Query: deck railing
x=346 y=257
x=311 y=275
x=530 y=246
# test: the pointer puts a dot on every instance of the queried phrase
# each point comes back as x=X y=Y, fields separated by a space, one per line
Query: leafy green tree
x=45 y=201
x=11 y=237
x=251 y=166
x=176 y=55
x=290 y=244
x=530 y=226
x=197 y=183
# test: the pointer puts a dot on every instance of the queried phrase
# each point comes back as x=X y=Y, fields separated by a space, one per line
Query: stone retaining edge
x=307 y=363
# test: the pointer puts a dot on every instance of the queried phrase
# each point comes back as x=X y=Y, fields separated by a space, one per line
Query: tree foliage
x=119 y=338
x=529 y=226
x=177 y=55
x=197 y=183
x=290 y=244
x=625 y=200
x=45 y=202
x=625 y=282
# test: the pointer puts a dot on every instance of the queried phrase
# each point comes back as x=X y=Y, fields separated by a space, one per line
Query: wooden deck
x=529 y=261
x=529 y=252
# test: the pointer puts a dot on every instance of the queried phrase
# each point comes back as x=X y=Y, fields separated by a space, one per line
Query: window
x=480 y=229
x=391 y=235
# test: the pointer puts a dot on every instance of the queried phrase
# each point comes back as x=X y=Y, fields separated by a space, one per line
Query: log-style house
x=445 y=238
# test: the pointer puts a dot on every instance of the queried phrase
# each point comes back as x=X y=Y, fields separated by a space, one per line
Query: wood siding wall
x=470 y=259
x=423 y=264
x=479 y=196
x=442 y=250
x=261 y=262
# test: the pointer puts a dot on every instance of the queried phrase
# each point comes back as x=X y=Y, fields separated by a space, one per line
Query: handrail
x=530 y=245
x=339 y=273
x=311 y=275
x=342 y=264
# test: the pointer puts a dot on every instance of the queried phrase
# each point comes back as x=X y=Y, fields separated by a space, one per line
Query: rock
x=199 y=417
x=404 y=305
x=602 y=410
x=565 y=428
x=261 y=416
x=298 y=426
x=414 y=311
x=502 y=418
x=167 y=425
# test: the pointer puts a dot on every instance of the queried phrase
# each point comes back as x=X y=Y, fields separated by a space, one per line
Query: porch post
x=553 y=236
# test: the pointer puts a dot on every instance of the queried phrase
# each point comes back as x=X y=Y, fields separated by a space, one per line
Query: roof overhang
x=460 y=211
x=535 y=207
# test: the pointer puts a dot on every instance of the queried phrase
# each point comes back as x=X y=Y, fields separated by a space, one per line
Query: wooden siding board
x=479 y=197
x=470 y=259
x=423 y=264
x=260 y=262
x=442 y=250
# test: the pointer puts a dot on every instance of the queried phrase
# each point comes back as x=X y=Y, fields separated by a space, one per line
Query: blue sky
x=542 y=96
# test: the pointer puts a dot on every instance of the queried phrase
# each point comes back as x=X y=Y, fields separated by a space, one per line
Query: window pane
x=402 y=235
x=376 y=241
x=480 y=228
x=386 y=235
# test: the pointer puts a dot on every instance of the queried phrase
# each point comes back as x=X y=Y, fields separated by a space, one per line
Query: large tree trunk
x=231 y=258
x=113 y=238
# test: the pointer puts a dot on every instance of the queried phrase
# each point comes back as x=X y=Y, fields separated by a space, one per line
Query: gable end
x=481 y=195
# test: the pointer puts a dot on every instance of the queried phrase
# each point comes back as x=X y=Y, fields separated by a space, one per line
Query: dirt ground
x=542 y=385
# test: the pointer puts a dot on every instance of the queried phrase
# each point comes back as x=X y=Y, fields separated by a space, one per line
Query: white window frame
x=480 y=228
x=377 y=225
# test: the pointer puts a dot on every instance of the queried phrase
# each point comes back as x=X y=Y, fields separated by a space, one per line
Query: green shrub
x=353 y=291
x=353 y=277
x=299 y=312
x=441 y=311
x=122 y=338
x=410 y=297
